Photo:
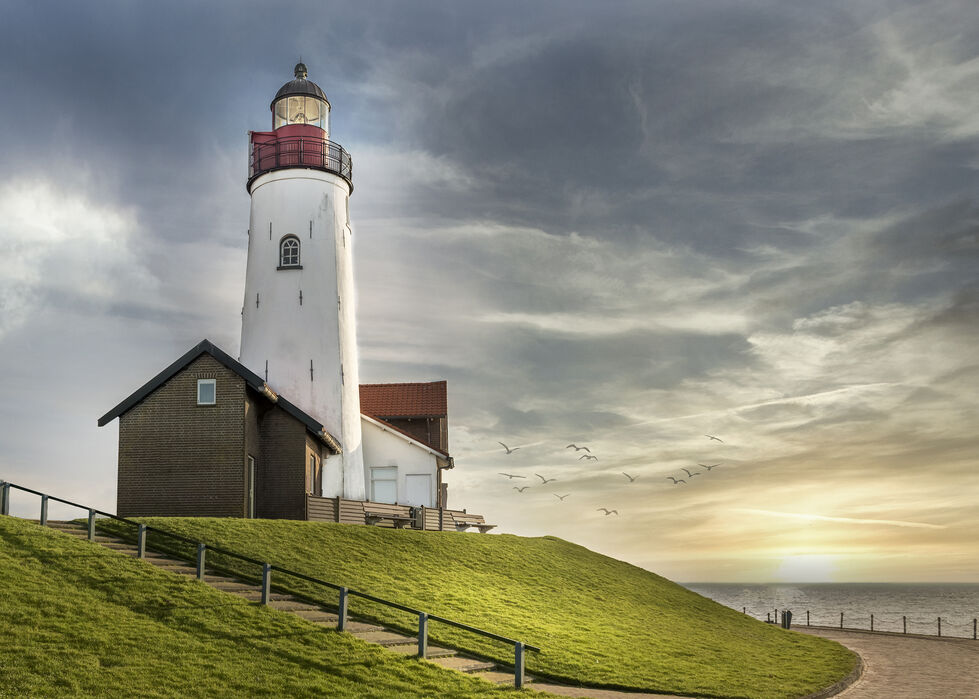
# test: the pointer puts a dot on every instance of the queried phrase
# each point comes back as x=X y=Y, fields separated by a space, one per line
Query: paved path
x=909 y=667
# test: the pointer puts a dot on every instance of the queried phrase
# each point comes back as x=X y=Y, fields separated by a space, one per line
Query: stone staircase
x=391 y=640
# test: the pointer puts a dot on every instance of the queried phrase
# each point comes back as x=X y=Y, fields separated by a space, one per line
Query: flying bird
x=520 y=490
x=508 y=449
x=588 y=456
x=560 y=497
x=577 y=448
x=690 y=475
x=676 y=481
x=546 y=480
x=716 y=439
x=607 y=511
x=511 y=476
x=631 y=478
x=709 y=466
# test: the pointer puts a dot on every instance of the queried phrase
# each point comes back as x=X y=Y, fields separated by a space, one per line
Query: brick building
x=209 y=437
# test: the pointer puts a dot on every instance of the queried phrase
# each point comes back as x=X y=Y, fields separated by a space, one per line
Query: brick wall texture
x=178 y=458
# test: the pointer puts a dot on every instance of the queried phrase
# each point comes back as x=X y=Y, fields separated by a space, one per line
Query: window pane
x=385 y=491
x=281 y=113
x=315 y=110
x=206 y=392
x=289 y=252
x=297 y=110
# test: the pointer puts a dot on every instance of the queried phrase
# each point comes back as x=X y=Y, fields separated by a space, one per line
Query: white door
x=418 y=489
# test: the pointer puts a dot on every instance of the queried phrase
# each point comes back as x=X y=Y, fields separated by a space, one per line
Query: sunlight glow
x=807 y=568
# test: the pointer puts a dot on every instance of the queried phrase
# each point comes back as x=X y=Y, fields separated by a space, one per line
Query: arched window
x=289 y=252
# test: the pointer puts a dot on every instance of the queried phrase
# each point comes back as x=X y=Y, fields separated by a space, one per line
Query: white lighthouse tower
x=298 y=327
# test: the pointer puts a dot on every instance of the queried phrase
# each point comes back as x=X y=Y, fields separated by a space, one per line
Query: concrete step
x=298 y=607
x=499 y=677
x=98 y=539
x=164 y=561
x=213 y=578
x=178 y=568
x=385 y=638
x=462 y=664
x=118 y=545
x=255 y=595
x=431 y=652
x=234 y=586
x=352 y=626
x=317 y=615
x=358 y=626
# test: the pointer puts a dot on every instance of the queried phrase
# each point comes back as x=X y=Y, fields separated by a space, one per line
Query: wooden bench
x=399 y=521
x=464 y=521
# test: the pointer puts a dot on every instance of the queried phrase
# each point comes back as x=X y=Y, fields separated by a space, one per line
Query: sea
x=898 y=607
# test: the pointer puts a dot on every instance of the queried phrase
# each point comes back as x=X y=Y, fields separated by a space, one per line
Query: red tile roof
x=404 y=399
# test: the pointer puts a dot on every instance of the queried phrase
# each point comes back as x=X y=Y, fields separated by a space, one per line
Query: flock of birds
x=591 y=457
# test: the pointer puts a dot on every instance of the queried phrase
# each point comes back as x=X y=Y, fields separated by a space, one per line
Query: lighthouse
x=298 y=325
x=287 y=430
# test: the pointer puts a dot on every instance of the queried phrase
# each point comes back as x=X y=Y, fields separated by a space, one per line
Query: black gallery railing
x=299 y=151
x=344 y=593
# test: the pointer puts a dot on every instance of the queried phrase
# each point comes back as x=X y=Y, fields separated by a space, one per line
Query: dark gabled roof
x=402 y=400
x=252 y=379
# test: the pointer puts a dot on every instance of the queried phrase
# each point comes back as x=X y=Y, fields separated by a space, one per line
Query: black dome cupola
x=301 y=101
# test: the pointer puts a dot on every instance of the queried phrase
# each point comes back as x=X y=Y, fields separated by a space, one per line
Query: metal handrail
x=299 y=151
x=267 y=568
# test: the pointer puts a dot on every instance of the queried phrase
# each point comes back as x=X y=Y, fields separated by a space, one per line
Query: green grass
x=80 y=620
x=598 y=620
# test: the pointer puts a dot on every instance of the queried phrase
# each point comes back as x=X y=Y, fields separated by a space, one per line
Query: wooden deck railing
x=320 y=509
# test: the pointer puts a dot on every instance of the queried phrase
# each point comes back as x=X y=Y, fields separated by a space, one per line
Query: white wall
x=312 y=205
x=389 y=448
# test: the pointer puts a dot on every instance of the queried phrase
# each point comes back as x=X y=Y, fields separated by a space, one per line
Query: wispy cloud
x=843 y=520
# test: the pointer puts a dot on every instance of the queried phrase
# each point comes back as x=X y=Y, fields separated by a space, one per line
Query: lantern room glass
x=301 y=109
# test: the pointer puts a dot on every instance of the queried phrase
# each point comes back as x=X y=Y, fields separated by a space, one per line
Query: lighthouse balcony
x=276 y=151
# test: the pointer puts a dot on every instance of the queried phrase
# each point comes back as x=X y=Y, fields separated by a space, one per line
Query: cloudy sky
x=626 y=225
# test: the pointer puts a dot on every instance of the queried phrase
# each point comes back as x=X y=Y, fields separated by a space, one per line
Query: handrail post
x=141 y=541
x=91 y=525
x=518 y=664
x=939 y=627
x=422 y=634
x=201 y=548
x=4 y=498
x=44 y=510
x=266 y=581
x=342 y=610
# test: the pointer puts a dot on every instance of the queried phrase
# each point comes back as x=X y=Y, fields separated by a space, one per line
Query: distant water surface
x=956 y=603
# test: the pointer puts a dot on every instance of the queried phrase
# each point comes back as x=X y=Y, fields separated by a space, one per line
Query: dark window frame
x=290 y=252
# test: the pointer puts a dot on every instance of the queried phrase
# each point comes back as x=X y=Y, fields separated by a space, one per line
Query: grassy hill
x=598 y=620
x=81 y=620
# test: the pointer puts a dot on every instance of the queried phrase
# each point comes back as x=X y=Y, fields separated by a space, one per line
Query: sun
x=807 y=568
